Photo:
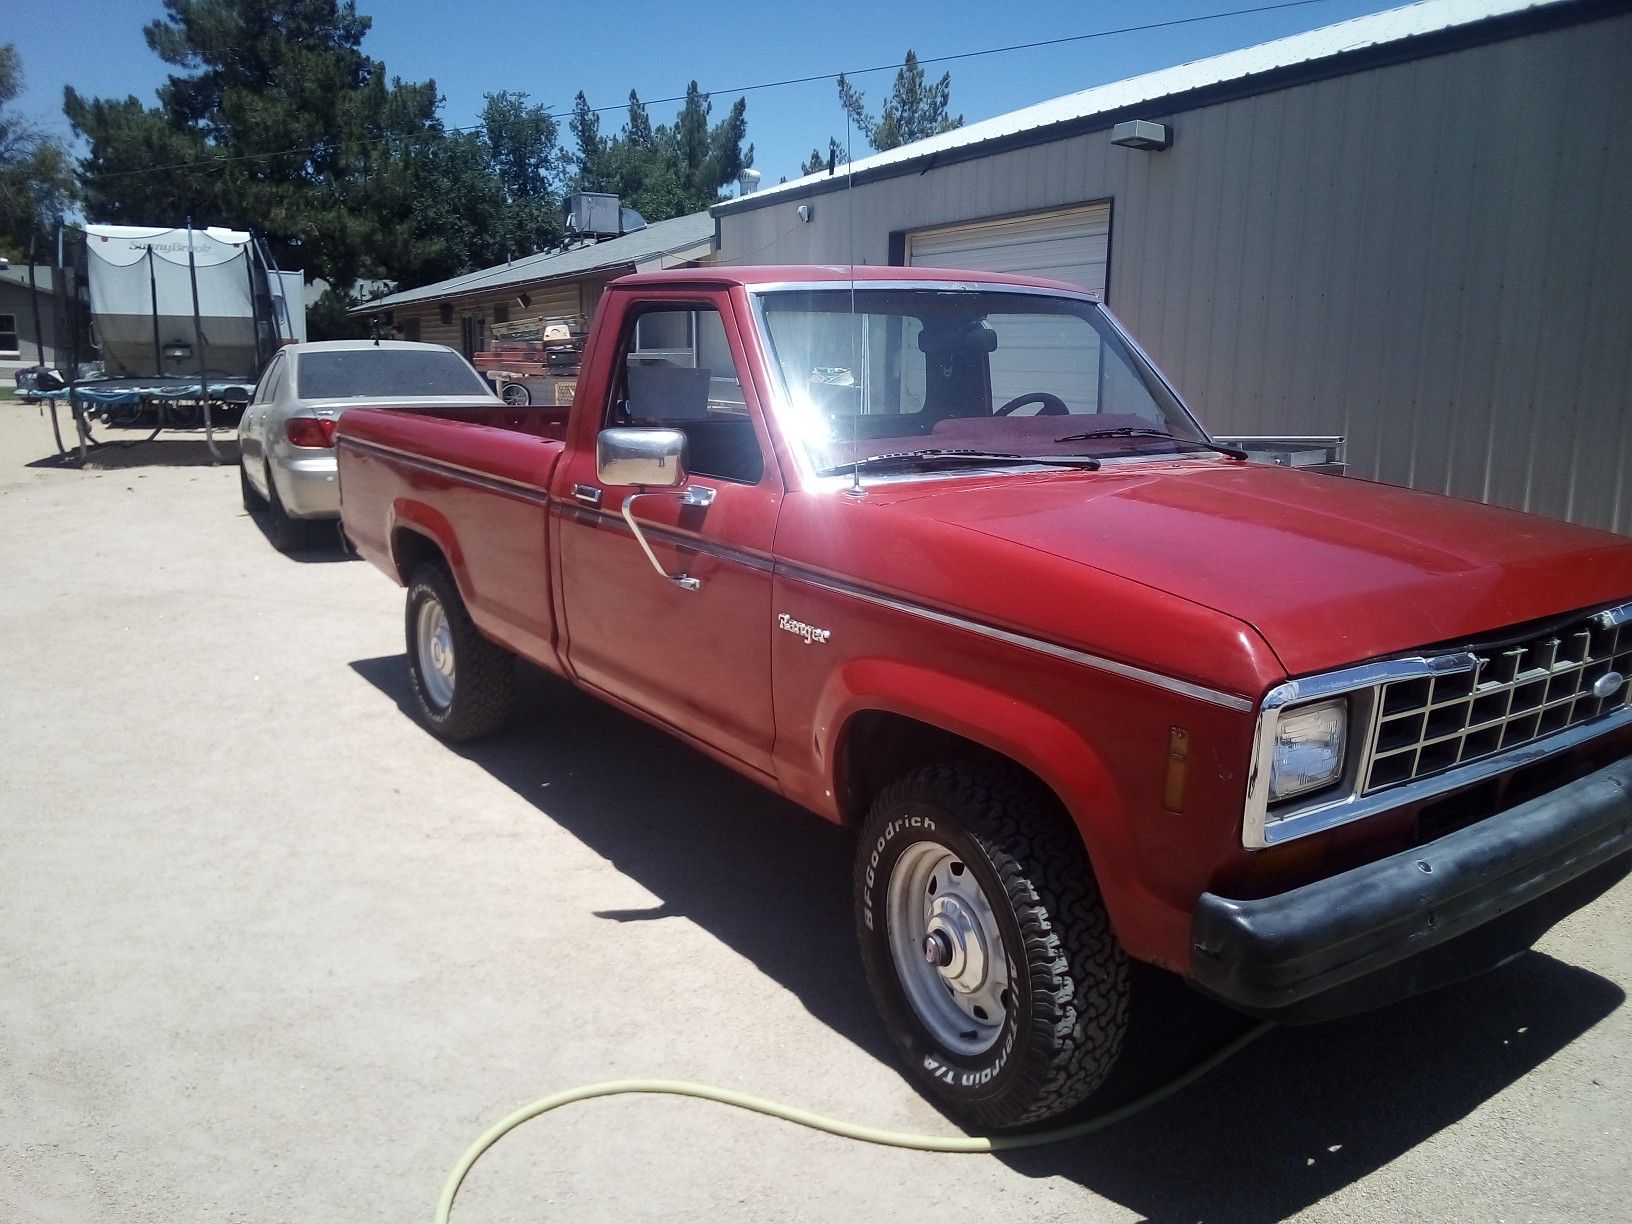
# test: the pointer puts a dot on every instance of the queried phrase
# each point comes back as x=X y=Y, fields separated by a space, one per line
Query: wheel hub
x=948 y=949
x=435 y=641
x=955 y=928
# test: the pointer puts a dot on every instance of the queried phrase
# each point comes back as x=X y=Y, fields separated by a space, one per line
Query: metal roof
x=826 y=276
x=1375 y=30
x=656 y=240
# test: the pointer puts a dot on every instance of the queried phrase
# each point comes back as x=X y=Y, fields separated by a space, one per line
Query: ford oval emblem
x=1607 y=685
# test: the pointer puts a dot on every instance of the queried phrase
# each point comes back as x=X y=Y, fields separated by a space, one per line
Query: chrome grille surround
x=1511 y=695
x=1567 y=713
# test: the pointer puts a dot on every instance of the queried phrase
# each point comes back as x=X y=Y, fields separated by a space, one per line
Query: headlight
x=1309 y=745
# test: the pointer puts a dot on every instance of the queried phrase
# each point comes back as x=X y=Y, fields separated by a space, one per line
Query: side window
x=263 y=392
x=675 y=371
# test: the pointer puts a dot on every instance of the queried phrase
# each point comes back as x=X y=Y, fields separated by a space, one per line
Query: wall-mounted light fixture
x=1141 y=134
x=523 y=300
x=803 y=212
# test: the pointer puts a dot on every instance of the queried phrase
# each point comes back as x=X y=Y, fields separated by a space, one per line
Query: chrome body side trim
x=439 y=467
x=794 y=572
x=1127 y=671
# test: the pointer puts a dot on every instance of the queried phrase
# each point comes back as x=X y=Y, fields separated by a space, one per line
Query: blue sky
x=551 y=50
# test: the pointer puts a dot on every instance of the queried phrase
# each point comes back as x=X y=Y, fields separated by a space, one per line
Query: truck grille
x=1512 y=695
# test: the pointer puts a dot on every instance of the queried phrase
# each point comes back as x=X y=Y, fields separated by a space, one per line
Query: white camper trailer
x=143 y=282
x=166 y=325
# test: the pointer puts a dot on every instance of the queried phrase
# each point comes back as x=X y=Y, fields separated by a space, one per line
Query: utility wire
x=743 y=89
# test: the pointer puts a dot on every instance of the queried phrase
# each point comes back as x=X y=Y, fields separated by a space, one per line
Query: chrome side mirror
x=650 y=458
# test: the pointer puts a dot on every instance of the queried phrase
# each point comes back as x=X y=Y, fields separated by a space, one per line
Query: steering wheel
x=1052 y=405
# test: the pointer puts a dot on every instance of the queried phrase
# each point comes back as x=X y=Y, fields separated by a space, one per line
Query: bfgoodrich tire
x=986 y=944
x=463 y=685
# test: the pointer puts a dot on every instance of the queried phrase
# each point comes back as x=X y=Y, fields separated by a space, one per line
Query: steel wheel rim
x=948 y=948
x=434 y=642
x=516 y=397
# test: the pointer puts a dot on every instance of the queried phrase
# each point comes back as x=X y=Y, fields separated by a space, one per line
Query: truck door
x=699 y=659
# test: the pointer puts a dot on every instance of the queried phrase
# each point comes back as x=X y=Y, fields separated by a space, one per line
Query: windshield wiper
x=1128 y=431
x=974 y=458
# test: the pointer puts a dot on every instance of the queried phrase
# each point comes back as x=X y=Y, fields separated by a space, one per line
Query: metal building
x=1413 y=229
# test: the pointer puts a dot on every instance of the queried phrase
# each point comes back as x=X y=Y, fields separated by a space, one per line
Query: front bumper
x=309 y=485
x=1421 y=918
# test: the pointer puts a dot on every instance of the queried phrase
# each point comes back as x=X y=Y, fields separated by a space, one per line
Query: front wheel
x=987 y=948
x=463 y=684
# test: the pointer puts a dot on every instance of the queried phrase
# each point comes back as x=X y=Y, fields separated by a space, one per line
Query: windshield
x=919 y=370
x=386 y=373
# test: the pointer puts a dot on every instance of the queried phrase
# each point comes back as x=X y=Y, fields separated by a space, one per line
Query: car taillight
x=309 y=431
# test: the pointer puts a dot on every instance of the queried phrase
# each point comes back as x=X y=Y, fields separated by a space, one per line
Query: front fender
x=1031 y=737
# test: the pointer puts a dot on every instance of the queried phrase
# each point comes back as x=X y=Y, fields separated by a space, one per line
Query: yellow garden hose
x=832 y=1126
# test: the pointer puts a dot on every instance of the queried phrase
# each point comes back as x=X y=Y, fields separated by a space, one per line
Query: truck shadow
x=713 y=847
x=1298 y=1115
x=1306 y=1111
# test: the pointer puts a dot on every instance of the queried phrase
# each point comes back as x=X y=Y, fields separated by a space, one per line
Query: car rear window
x=386 y=373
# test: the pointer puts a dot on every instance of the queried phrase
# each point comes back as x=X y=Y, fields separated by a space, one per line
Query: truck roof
x=749 y=276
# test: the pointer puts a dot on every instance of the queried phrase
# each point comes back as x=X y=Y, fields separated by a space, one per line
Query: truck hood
x=1329 y=570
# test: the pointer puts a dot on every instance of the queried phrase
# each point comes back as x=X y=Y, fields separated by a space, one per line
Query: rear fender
x=417 y=518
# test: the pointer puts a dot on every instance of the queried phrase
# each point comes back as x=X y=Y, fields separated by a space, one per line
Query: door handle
x=588 y=494
x=694 y=495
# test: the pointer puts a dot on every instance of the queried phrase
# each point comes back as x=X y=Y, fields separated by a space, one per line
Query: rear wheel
x=986 y=945
x=286 y=533
x=253 y=501
x=463 y=684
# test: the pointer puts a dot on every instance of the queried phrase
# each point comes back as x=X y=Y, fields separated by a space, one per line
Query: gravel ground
x=272 y=953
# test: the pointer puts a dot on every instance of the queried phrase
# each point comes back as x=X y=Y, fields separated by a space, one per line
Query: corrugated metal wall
x=1432 y=258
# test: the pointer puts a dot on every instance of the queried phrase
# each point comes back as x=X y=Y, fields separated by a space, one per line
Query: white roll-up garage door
x=1070 y=244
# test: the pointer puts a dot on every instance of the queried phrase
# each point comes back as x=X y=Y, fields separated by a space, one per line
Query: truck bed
x=407 y=475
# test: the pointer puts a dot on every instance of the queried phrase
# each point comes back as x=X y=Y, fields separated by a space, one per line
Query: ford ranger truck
x=942 y=555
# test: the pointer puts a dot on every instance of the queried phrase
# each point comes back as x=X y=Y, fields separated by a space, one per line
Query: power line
x=963 y=55
x=745 y=89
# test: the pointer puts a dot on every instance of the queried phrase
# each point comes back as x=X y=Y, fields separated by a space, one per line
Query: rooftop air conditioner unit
x=592 y=214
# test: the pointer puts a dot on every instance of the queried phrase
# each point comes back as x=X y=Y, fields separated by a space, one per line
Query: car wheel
x=463 y=684
x=287 y=534
x=517 y=395
x=253 y=501
x=986 y=945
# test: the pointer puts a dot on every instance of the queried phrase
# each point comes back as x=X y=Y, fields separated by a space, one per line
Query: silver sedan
x=286 y=438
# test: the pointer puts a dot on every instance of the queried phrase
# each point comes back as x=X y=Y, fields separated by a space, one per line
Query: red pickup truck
x=943 y=555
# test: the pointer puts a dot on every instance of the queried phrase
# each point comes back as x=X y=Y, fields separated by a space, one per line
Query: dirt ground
x=272 y=953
